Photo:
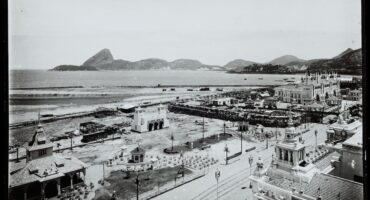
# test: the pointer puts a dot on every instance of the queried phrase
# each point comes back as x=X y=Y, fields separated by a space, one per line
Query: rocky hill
x=283 y=60
x=238 y=64
x=103 y=60
x=347 y=62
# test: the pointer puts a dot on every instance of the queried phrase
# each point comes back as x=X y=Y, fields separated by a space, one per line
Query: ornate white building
x=313 y=87
x=146 y=120
x=294 y=176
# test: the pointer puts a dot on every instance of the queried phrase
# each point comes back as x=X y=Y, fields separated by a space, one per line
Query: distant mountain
x=283 y=60
x=349 y=50
x=347 y=62
x=103 y=60
x=74 y=68
x=238 y=64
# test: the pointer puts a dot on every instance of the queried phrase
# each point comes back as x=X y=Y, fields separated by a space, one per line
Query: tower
x=289 y=152
x=40 y=145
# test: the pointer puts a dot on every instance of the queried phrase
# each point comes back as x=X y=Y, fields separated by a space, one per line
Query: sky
x=47 y=33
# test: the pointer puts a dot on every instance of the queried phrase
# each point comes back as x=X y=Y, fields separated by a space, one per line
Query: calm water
x=40 y=78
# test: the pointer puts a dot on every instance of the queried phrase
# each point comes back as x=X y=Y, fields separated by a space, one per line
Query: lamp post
x=226 y=149
x=172 y=139
x=137 y=182
x=217 y=176
x=315 y=140
x=250 y=168
x=241 y=141
x=203 y=130
x=267 y=140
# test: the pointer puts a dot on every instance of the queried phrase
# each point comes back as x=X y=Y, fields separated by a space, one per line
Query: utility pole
x=103 y=173
x=203 y=130
x=226 y=149
x=250 y=168
x=241 y=142
x=137 y=182
x=315 y=141
x=217 y=176
x=172 y=141
x=71 y=136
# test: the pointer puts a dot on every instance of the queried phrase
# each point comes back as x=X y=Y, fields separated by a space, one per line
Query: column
x=289 y=156
x=58 y=186
x=283 y=153
x=84 y=172
x=71 y=176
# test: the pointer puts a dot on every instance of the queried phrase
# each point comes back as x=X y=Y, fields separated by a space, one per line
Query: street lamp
x=137 y=182
x=226 y=149
x=315 y=140
x=250 y=168
x=217 y=176
x=267 y=140
x=172 y=139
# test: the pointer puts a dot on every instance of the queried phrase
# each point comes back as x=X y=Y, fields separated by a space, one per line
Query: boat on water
x=245 y=78
x=260 y=78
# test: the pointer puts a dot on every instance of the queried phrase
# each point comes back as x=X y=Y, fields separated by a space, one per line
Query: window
x=42 y=152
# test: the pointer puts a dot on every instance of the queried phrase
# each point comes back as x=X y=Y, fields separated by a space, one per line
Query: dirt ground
x=125 y=188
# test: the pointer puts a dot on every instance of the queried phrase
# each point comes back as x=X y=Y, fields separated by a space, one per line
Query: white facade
x=316 y=86
x=145 y=120
x=222 y=101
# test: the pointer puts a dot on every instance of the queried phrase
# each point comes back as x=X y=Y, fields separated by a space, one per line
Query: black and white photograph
x=185 y=100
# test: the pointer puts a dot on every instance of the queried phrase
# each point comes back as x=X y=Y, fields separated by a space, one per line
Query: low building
x=42 y=174
x=249 y=103
x=334 y=101
x=222 y=102
x=146 y=120
x=137 y=155
x=316 y=86
x=259 y=103
x=315 y=106
x=270 y=102
x=344 y=128
x=355 y=95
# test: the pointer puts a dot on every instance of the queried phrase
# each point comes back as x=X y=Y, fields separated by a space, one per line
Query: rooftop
x=138 y=150
x=332 y=187
x=39 y=169
x=355 y=140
